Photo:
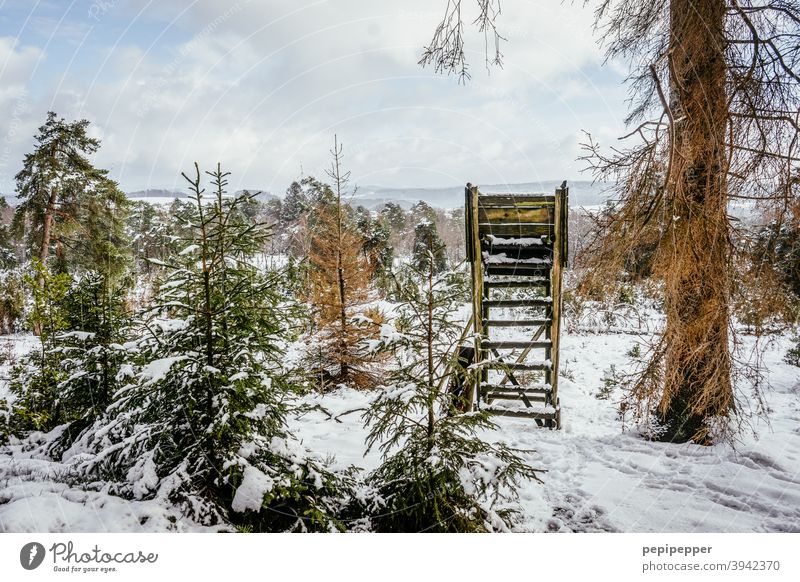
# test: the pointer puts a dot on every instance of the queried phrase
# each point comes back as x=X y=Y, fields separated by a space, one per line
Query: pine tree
x=426 y=237
x=201 y=416
x=437 y=473
x=100 y=243
x=12 y=300
x=57 y=185
x=376 y=247
x=339 y=277
x=295 y=203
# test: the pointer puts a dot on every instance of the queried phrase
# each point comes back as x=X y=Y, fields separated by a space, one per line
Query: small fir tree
x=437 y=473
x=91 y=352
x=35 y=379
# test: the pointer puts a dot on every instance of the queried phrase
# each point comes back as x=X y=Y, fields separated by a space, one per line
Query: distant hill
x=162 y=196
x=581 y=193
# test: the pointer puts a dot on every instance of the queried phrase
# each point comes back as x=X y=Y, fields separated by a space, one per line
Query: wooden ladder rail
x=560 y=254
x=473 y=245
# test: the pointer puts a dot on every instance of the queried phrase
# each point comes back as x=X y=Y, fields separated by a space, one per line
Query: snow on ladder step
x=537 y=388
x=527 y=367
x=500 y=303
x=515 y=344
x=535 y=281
x=516 y=322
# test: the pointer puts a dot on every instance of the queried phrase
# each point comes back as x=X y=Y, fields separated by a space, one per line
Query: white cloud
x=16 y=123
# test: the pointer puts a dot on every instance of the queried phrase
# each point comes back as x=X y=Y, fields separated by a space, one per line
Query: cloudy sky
x=262 y=86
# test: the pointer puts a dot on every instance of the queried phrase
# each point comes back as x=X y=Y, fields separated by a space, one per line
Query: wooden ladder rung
x=540 y=248
x=500 y=303
x=540 y=388
x=516 y=200
x=533 y=366
x=512 y=345
x=515 y=396
x=527 y=282
x=516 y=322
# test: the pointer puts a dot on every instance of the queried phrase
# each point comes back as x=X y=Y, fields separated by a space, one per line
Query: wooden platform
x=517 y=247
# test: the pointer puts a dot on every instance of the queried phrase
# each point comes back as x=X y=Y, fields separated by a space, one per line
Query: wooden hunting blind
x=517 y=248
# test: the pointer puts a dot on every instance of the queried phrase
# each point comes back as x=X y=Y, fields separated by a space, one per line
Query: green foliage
x=91 y=351
x=97 y=240
x=429 y=250
x=437 y=473
x=626 y=295
x=35 y=379
x=377 y=247
x=8 y=250
x=635 y=352
x=395 y=216
x=295 y=203
x=611 y=380
x=779 y=244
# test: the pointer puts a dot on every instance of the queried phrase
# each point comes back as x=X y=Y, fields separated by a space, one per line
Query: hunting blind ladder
x=517 y=247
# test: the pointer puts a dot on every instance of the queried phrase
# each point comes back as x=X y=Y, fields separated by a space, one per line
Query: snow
x=13 y=346
x=250 y=494
x=35 y=496
x=189 y=250
x=503 y=258
x=522 y=242
x=601 y=475
x=603 y=478
x=156 y=370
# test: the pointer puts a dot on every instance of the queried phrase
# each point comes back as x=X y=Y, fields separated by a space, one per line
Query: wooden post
x=474 y=255
x=559 y=260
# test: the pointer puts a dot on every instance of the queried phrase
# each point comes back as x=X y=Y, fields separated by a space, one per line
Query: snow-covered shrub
x=199 y=419
x=36 y=377
x=90 y=352
x=437 y=473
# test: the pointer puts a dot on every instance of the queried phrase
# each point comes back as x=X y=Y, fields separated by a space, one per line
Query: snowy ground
x=601 y=479
x=598 y=478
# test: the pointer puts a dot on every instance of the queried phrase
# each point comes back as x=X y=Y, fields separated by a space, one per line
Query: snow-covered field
x=598 y=478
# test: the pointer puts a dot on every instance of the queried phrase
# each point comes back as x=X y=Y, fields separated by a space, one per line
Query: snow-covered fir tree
x=200 y=418
x=90 y=351
x=36 y=377
x=437 y=474
x=426 y=237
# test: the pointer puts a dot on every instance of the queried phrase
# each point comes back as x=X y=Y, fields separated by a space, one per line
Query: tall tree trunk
x=432 y=388
x=697 y=383
x=47 y=226
x=44 y=250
